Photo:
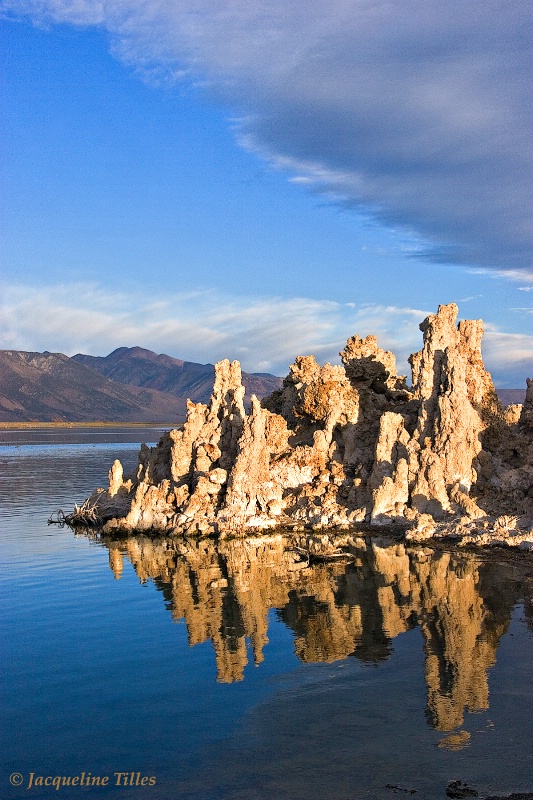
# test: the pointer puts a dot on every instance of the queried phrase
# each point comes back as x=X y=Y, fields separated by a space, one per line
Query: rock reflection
x=356 y=607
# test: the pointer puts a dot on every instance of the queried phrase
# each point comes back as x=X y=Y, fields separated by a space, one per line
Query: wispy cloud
x=509 y=355
x=513 y=275
x=264 y=333
x=417 y=113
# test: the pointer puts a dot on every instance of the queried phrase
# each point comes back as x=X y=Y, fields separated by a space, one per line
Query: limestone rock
x=339 y=445
x=115 y=478
x=526 y=417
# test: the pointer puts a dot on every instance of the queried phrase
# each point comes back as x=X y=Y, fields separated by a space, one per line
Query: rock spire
x=343 y=445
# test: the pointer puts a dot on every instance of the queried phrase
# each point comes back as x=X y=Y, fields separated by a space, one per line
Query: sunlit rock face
x=341 y=445
x=353 y=607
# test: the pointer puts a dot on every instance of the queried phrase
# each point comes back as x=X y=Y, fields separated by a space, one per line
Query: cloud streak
x=415 y=113
x=264 y=333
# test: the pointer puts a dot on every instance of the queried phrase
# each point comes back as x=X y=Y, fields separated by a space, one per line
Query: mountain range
x=136 y=366
x=510 y=396
x=131 y=384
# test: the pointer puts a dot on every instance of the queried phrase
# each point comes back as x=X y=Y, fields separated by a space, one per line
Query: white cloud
x=415 y=112
x=264 y=333
x=509 y=355
x=513 y=275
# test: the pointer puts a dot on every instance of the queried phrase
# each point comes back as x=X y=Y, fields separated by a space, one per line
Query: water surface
x=246 y=670
x=83 y=434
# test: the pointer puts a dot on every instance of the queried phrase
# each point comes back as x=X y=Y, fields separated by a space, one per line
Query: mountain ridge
x=137 y=366
x=131 y=384
x=48 y=387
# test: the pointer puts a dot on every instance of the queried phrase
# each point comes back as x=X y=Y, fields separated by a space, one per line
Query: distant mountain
x=510 y=396
x=131 y=384
x=46 y=386
x=136 y=366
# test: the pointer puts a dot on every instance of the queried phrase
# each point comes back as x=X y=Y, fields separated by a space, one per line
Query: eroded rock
x=340 y=445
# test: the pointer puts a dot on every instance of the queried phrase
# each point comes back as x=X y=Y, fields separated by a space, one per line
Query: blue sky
x=256 y=182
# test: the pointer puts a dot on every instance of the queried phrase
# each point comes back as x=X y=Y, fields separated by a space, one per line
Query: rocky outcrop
x=343 y=445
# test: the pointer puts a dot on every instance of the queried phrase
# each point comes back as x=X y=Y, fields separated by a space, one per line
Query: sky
x=261 y=180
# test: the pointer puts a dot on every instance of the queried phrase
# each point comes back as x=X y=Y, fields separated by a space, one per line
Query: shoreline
x=98 y=424
x=326 y=545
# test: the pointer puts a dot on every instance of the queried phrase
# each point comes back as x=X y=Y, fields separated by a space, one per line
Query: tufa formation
x=341 y=446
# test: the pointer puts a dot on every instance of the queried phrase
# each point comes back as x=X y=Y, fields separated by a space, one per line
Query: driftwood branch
x=86 y=514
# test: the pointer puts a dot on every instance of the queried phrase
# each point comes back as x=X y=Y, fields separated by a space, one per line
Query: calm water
x=100 y=434
x=243 y=672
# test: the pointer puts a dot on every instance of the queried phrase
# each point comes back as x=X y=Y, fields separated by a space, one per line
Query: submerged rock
x=340 y=445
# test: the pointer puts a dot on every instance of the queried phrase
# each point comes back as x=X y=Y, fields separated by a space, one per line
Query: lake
x=186 y=670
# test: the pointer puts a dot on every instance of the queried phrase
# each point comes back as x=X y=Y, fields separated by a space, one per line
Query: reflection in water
x=455 y=741
x=354 y=607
